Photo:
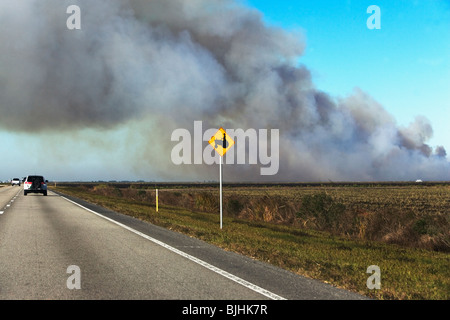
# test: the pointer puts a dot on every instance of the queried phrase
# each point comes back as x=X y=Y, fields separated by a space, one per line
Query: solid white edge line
x=223 y=273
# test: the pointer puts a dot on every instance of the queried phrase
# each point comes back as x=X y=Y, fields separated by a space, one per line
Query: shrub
x=234 y=207
x=206 y=201
x=420 y=226
x=322 y=210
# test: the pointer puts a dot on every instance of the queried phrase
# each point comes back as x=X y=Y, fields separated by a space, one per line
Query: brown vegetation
x=407 y=215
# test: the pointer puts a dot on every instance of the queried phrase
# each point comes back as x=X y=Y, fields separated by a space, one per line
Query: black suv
x=35 y=184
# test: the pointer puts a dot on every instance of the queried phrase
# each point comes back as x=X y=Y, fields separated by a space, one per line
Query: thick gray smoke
x=154 y=66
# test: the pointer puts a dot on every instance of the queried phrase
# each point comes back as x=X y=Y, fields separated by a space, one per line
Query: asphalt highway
x=56 y=247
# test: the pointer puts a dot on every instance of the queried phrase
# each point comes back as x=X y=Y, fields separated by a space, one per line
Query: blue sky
x=404 y=65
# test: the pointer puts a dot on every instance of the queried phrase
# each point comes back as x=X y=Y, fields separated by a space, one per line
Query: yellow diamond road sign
x=221 y=142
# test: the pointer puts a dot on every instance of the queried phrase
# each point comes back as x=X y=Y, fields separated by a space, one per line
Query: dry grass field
x=331 y=232
x=415 y=215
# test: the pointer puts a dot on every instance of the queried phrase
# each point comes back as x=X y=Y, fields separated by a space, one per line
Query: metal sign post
x=220 y=181
x=221 y=142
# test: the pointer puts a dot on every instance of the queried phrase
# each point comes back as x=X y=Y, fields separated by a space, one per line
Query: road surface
x=54 y=248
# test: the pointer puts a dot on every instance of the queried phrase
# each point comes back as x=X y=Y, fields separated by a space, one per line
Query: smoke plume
x=153 y=66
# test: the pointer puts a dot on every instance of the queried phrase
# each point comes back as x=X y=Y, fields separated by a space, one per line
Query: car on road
x=15 y=182
x=35 y=184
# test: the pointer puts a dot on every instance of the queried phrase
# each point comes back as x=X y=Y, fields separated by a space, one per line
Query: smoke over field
x=137 y=70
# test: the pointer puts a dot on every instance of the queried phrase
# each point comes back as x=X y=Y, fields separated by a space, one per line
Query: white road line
x=223 y=273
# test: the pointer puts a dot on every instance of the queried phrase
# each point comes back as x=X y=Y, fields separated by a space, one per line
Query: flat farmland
x=331 y=232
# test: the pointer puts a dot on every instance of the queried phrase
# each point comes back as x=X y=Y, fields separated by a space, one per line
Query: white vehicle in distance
x=35 y=184
x=15 y=182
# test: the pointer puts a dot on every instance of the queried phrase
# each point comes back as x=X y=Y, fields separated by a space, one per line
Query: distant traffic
x=15 y=182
